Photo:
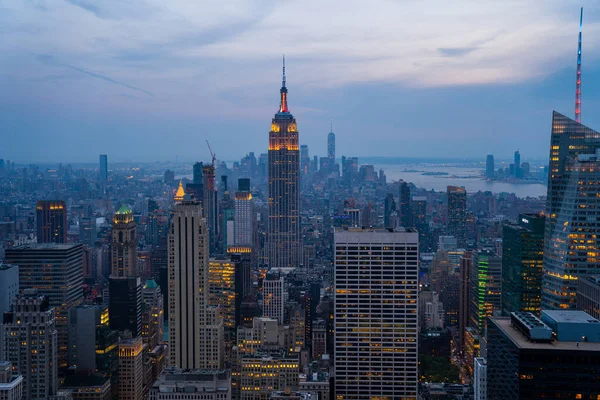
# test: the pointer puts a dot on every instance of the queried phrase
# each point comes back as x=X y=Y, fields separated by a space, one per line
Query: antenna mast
x=578 y=85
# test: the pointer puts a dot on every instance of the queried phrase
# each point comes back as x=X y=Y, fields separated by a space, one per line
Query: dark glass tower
x=522 y=259
x=331 y=148
x=51 y=221
x=103 y=168
x=457 y=214
x=284 y=246
x=572 y=229
x=405 y=208
x=489 y=166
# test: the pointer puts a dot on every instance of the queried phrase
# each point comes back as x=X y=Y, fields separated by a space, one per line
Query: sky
x=153 y=80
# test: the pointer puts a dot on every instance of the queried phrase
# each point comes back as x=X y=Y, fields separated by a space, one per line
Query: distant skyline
x=145 y=81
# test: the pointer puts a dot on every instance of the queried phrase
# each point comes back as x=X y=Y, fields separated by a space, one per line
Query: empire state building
x=284 y=243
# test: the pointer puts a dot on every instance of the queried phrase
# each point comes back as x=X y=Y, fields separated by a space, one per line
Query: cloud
x=89 y=6
x=456 y=51
x=51 y=60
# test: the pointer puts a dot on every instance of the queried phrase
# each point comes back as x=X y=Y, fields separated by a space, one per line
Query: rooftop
x=124 y=210
x=570 y=316
x=504 y=324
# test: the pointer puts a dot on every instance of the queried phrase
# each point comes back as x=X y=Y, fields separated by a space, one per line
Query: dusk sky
x=151 y=80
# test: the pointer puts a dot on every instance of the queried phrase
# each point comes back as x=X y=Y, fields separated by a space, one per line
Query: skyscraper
x=56 y=270
x=522 y=261
x=87 y=231
x=243 y=214
x=209 y=204
x=284 y=241
x=304 y=160
x=517 y=164
x=51 y=221
x=131 y=369
x=572 y=234
x=197 y=173
x=331 y=148
x=9 y=286
x=485 y=288
x=388 y=209
x=103 y=168
x=124 y=244
x=376 y=303
x=457 y=214
x=405 y=207
x=194 y=335
x=30 y=344
x=489 y=166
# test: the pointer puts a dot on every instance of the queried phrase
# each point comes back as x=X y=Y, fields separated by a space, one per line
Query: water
x=470 y=178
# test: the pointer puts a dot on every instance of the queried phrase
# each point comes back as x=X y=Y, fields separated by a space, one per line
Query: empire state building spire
x=283 y=106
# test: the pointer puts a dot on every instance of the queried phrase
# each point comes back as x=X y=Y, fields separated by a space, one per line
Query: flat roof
x=400 y=229
x=504 y=324
x=570 y=316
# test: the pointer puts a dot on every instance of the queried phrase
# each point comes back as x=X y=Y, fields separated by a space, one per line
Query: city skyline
x=97 y=90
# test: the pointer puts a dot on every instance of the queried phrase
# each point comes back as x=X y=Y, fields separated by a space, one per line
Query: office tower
x=480 y=379
x=464 y=296
x=30 y=344
x=84 y=322
x=588 y=295
x=265 y=372
x=57 y=271
x=152 y=314
x=571 y=237
x=457 y=214
x=194 y=330
x=221 y=277
x=87 y=231
x=124 y=244
x=405 y=206
x=131 y=369
x=103 y=168
x=319 y=339
x=51 y=221
x=243 y=214
x=388 y=209
x=284 y=241
x=485 y=288
x=489 y=167
x=197 y=173
x=555 y=357
x=522 y=262
x=178 y=384
x=209 y=204
x=331 y=148
x=125 y=304
x=169 y=177
x=9 y=285
x=273 y=297
x=304 y=160
x=386 y=291
x=431 y=310
x=11 y=385
x=517 y=172
x=354 y=217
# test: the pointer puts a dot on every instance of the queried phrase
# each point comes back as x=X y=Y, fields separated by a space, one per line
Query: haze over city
x=152 y=80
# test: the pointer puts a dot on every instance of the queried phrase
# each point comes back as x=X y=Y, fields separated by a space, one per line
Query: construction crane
x=213 y=155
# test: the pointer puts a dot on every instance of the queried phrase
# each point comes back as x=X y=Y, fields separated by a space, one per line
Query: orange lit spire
x=180 y=193
x=283 y=106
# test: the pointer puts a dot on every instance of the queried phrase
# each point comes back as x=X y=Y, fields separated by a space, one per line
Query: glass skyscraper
x=572 y=228
x=284 y=245
x=457 y=214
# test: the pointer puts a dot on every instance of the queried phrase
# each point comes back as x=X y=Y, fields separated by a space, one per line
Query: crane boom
x=213 y=155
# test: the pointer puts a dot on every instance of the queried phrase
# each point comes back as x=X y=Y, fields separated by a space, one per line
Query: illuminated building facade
x=56 y=270
x=123 y=245
x=485 y=288
x=284 y=241
x=274 y=297
x=457 y=214
x=522 y=262
x=221 y=276
x=51 y=218
x=261 y=374
x=30 y=344
x=243 y=214
x=572 y=234
x=131 y=369
x=195 y=330
x=376 y=313
x=464 y=296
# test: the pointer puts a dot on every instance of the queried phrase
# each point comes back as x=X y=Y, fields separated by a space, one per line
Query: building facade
x=457 y=214
x=274 y=298
x=123 y=245
x=51 y=216
x=588 y=295
x=9 y=285
x=485 y=288
x=572 y=234
x=522 y=264
x=131 y=369
x=177 y=384
x=284 y=241
x=376 y=282
x=11 y=385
